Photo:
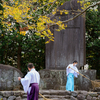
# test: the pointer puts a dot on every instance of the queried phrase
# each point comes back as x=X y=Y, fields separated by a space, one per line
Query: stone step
x=54 y=92
x=56 y=96
x=49 y=99
x=53 y=99
x=51 y=96
x=24 y=96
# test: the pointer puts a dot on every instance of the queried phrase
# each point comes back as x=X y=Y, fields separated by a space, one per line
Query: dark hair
x=75 y=61
x=30 y=65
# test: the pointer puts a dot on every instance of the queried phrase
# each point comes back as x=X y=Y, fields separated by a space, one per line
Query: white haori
x=69 y=70
x=31 y=77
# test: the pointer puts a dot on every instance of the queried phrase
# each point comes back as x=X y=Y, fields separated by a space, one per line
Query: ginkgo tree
x=33 y=15
x=24 y=25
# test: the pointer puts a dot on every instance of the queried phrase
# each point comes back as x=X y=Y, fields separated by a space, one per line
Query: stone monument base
x=56 y=79
x=9 y=78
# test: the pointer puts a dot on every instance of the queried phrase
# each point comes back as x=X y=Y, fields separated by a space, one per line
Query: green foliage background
x=93 y=40
x=32 y=50
x=18 y=50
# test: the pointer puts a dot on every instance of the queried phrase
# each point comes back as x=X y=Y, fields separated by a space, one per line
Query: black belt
x=32 y=84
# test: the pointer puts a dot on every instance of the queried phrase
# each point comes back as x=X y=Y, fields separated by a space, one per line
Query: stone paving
x=52 y=95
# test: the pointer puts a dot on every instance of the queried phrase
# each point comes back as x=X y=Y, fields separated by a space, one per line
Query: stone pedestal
x=56 y=79
x=52 y=79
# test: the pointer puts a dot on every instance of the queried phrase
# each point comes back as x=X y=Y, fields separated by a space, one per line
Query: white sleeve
x=67 y=70
x=26 y=82
x=75 y=72
x=76 y=69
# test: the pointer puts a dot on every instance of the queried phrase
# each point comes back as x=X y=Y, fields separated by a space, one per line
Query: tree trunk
x=19 y=57
x=99 y=7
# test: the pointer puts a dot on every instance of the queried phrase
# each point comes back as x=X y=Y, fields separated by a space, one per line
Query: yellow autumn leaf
x=66 y=12
x=46 y=42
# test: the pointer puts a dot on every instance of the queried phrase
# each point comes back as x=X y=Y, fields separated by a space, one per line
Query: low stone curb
x=52 y=94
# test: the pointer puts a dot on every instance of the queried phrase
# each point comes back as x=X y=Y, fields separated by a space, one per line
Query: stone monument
x=9 y=78
x=69 y=45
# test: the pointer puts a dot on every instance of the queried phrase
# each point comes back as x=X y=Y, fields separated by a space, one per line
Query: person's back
x=34 y=76
x=31 y=83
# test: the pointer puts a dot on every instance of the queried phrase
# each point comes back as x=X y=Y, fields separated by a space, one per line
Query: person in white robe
x=30 y=83
x=70 y=75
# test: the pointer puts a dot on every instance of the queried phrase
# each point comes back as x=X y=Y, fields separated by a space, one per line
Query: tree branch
x=81 y=12
x=66 y=21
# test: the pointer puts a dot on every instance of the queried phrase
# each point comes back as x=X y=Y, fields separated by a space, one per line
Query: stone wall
x=9 y=78
x=12 y=95
x=52 y=95
x=56 y=79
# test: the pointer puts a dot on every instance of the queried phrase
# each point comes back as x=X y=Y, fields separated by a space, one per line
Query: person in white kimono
x=30 y=83
x=70 y=75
